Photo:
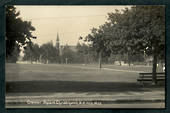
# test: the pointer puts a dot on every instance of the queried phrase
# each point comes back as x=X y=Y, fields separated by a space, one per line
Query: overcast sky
x=70 y=22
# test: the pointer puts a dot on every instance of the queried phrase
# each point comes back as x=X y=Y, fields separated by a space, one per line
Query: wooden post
x=100 y=59
x=66 y=60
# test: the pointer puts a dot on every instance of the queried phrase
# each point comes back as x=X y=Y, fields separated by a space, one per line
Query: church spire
x=57 y=43
x=57 y=37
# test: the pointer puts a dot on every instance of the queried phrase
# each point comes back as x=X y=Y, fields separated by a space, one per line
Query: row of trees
x=82 y=53
x=138 y=30
x=48 y=53
x=45 y=53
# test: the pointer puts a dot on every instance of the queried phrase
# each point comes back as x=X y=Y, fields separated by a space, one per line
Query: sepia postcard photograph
x=85 y=56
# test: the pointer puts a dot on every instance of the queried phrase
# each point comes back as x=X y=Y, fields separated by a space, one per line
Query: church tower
x=58 y=44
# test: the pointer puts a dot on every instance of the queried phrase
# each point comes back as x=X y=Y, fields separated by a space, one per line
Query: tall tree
x=31 y=52
x=85 y=53
x=99 y=42
x=68 y=55
x=18 y=32
x=146 y=29
x=138 y=30
x=49 y=53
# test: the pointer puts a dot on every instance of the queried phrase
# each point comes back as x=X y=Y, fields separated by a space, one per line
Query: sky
x=70 y=22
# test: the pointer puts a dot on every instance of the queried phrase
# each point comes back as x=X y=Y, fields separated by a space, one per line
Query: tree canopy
x=31 y=52
x=18 y=33
x=138 y=30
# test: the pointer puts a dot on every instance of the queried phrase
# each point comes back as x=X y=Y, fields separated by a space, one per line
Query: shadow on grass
x=73 y=86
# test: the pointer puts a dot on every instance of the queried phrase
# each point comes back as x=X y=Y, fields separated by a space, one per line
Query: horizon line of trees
x=48 y=53
x=83 y=53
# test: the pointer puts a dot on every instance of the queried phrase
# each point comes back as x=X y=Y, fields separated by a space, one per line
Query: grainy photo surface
x=85 y=56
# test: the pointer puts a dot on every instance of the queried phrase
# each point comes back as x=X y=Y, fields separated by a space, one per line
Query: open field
x=112 y=84
x=53 y=72
x=73 y=72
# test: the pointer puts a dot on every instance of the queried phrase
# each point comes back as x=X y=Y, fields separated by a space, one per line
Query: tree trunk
x=100 y=59
x=31 y=58
x=129 y=59
x=154 y=78
x=120 y=62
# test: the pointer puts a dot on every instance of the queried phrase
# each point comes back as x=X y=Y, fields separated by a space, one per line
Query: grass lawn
x=71 y=77
x=70 y=72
